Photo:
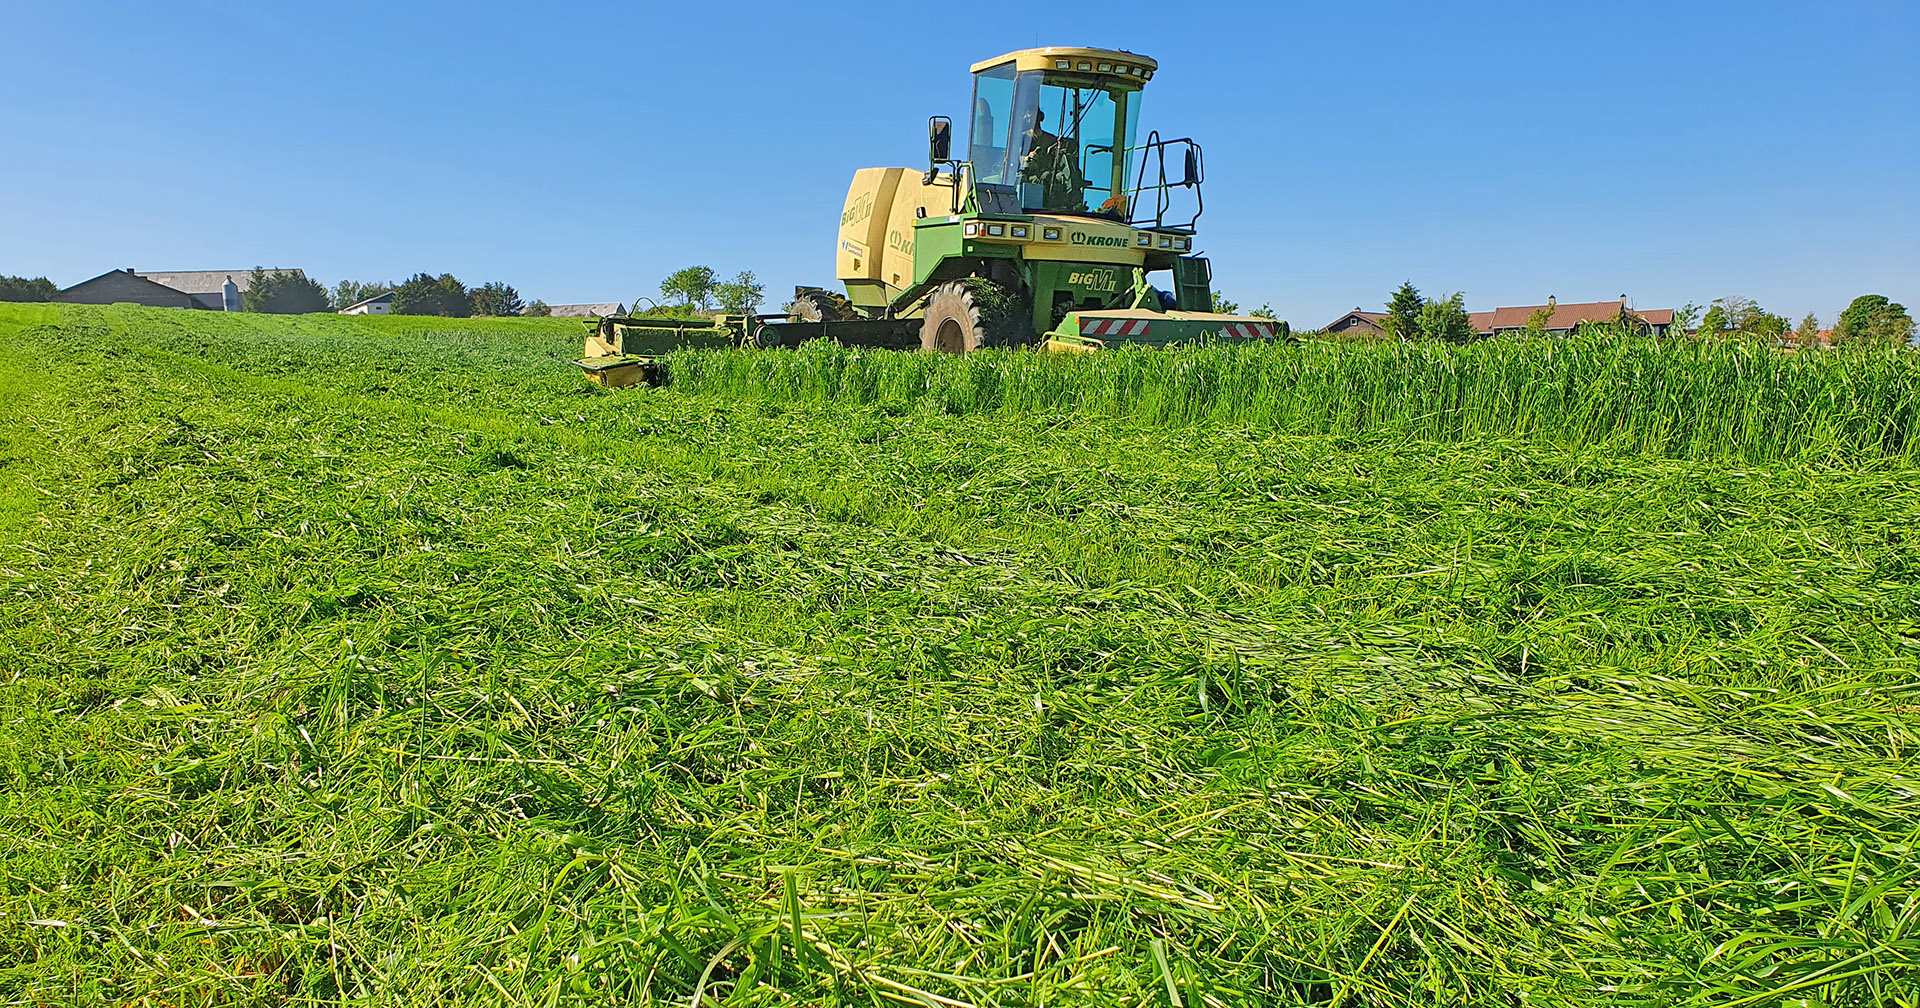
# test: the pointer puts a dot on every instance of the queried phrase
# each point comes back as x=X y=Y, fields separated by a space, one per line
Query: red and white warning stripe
x=1143 y=327
x=1115 y=327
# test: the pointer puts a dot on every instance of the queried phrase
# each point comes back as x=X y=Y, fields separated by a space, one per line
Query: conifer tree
x=1403 y=313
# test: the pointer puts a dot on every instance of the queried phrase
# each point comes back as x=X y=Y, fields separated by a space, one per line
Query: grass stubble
x=381 y=661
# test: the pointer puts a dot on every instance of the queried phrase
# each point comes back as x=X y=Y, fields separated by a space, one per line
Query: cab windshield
x=1046 y=141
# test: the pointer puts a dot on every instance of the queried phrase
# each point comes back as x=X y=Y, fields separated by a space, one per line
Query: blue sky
x=1670 y=151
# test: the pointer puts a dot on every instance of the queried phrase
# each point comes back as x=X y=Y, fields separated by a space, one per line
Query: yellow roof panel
x=1044 y=59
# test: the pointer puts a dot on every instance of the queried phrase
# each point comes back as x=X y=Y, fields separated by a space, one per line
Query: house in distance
x=379 y=304
x=1560 y=319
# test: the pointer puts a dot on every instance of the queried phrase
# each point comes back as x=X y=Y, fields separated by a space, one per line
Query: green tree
x=496 y=299
x=538 y=309
x=348 y=293
x=1539 y=321
x=1872 y=318
x=256 y=286
x=1403 y=313
x=1685 y=317
x=692 y=285
x=1223 y=306
x=1808 y=332
x=282 y=293
x=1730 y=314
x=424 y=294
x=1734 y=315
x=740 y=295
x=13 y=288
x=1266 y=311
x=1769 y=325
x=1446 y=319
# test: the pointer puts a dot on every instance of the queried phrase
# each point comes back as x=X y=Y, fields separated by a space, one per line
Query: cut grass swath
x=371 y=662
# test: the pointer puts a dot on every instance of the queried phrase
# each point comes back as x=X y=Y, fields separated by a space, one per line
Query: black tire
x=822 y=306
x=971 y=314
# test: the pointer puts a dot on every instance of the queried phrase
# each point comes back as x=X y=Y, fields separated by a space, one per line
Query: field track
x=385 y=661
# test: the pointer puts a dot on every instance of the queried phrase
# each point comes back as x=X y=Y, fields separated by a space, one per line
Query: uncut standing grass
x=375 y=679
x=1678 y=397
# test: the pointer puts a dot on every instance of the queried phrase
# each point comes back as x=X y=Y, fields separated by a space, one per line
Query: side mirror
x=1191 y=176
x=939 y=140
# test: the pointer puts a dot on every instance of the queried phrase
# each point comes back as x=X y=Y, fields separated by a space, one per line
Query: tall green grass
x=1679 y=398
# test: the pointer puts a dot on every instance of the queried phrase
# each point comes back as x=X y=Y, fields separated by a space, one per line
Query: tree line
x=1869 y=318
x=443 y=295
x=697 y=289
x=689 y=291
x=13 y=288
x=281 y=293
x=420 y=294
x=694 y=290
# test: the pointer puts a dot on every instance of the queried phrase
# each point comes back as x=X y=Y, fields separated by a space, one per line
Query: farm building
x=1564 y=318
x=125 y=285
x=1357 y=324
x=379 y=304
x=219 y=290
x=216 y=290
x=588 y=310
x=1561 y=318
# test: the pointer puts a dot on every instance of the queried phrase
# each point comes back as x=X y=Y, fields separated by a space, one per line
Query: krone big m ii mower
x=1048 y=230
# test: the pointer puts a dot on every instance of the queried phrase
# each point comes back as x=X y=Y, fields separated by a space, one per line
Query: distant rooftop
x=386 y=298
x=1565 y=316
x=601 y=310
x=207 y=281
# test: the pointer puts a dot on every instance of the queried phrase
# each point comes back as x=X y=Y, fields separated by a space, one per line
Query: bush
x=13 y=288
x=283 y=293
x=496 y=299
x=430 y=295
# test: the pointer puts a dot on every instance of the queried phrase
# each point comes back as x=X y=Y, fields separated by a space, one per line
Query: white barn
x=601 y=310
x=379 y=304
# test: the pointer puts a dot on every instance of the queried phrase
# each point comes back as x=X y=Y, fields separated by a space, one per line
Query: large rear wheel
x=821 y=306
x=971 y=314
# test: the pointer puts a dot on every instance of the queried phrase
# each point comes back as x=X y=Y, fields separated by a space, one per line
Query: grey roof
x=388 y=296
x=103 y=276
x=601 y=310
x=1370 y=317
x=207 y=281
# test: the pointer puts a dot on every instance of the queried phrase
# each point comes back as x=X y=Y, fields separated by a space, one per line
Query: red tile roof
x=1565 y=316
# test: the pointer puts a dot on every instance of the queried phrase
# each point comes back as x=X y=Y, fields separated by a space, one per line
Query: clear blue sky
x=1670 y=151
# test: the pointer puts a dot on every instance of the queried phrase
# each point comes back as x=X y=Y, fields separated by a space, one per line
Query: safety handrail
x=1156 y=148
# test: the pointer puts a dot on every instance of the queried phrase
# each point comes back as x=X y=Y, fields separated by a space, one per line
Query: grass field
x=386 y=661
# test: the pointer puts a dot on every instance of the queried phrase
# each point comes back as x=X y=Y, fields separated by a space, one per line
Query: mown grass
x=341 y=661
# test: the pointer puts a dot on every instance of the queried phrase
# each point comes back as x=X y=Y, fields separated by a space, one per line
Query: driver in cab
x=1053 y=164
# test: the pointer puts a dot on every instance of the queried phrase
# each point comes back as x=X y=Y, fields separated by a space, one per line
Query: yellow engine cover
x=875 y=255
x=863 y=222
x=914 y=196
